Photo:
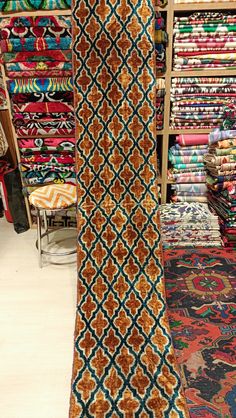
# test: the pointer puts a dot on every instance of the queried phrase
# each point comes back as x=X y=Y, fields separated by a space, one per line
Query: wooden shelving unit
x=171 y=10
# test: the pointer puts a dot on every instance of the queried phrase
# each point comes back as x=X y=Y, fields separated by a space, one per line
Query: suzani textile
x=123 y=361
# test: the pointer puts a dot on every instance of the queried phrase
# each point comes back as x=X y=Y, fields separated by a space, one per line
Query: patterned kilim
x=123 y=362
x=201 y=289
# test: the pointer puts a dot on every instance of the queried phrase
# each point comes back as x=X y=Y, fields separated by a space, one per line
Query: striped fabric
x=54 y=196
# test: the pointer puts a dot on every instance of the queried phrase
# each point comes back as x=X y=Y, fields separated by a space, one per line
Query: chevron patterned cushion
x=54 y=196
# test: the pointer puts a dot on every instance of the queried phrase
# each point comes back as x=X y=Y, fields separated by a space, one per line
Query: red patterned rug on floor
x=201 y=297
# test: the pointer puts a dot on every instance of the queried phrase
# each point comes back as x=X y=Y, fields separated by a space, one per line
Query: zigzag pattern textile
x=124 y=364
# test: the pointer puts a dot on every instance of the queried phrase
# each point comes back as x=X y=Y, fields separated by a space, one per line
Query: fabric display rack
x=37 y=58
x=199 y=77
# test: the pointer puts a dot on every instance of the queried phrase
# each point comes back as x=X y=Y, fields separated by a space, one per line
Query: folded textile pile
x=198 y=102
x=205 y=40
x=161 y=39
x=38 y=61
x=160 y=99
x=25 y=5
x=188 y=170
x=221 y=181
x=189 y=225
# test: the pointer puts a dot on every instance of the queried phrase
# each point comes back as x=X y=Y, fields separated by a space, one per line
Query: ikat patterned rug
x=201 y=296
x=124 y=363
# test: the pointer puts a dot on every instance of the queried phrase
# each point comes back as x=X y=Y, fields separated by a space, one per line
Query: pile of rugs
x=37 y=58
x=221 y=181
x=160 y=100
x=198 y=102
x=30 y=5
x=187 y=168
x=161 y=39
x=205 y=40
x=189 y=225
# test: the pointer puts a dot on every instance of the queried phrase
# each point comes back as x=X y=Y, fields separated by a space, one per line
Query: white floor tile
x=37 y=311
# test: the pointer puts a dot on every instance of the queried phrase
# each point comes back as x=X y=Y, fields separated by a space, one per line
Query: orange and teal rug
x=124 y=363
x=201 y=296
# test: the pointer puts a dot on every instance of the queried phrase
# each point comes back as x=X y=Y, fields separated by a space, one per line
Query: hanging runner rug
x=124 y=364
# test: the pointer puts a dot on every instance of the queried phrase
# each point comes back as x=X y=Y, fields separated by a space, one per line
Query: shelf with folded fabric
x=204 y=73
x=38 y=78
x=174 y=123
x=190 y=131
x=204 y=6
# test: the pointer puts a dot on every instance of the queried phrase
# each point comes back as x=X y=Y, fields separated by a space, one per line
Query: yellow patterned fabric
x=54 y=196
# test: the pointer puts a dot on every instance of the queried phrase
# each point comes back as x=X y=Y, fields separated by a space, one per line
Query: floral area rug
x=201 y=297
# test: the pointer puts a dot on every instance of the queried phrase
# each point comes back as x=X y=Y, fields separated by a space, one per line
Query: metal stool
x=52 y=198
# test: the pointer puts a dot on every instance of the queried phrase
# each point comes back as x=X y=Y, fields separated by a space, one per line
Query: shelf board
x=161 y=9
x=170 y=182
x=204 y=73
x=189 y=131
x=204 y=6
x=27 y=13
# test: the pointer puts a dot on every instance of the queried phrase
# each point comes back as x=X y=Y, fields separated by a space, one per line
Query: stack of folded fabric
x=221 y=181
x=205 y=40
x=160 y=98
x=161 y=39
x=198 y=102
x=37 y=57
x=188 y=170
x=28 y=5
x=189 y=225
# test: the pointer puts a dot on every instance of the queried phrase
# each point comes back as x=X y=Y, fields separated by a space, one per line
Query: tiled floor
x=37 y=310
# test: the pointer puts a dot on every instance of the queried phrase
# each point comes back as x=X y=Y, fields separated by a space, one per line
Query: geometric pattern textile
x=53 y=196
x=201 y=289
x=124 y=364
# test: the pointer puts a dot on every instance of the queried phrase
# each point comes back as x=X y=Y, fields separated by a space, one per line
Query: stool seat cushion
x=53 y=196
